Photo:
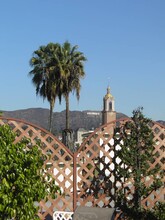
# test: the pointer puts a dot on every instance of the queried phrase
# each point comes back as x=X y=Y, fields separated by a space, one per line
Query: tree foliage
x=23 y=177
x=45 y=75
x=72 y=70
x=56 y=71
x=137 y=155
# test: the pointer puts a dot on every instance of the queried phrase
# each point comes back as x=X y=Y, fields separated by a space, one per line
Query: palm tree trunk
x=67 y=111
x=51 y=115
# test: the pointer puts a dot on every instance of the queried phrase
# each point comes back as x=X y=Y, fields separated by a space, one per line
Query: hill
x=78 y=119
x=161 y=122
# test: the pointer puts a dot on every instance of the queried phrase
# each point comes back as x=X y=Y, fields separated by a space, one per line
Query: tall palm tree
x=56 y=72
x=72 y=68
x=45 y=75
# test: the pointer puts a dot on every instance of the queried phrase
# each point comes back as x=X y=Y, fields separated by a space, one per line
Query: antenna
x=108 y=81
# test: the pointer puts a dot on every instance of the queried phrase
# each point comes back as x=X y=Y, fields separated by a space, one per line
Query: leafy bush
x=159 y=211
x=23 y=177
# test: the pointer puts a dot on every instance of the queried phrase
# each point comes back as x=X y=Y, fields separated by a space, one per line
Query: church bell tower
x=108 y=113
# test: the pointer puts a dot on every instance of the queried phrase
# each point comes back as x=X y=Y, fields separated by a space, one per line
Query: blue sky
x=123 y=40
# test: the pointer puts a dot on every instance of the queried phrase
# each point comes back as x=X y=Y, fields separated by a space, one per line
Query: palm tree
x=72 y=70
x=56 y=72
x=45 y=75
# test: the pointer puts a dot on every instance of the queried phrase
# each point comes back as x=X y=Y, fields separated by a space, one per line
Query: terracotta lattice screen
x=87 y=177
x=97 y=161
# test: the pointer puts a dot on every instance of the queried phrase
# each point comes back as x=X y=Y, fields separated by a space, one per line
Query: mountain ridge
x=87 y=119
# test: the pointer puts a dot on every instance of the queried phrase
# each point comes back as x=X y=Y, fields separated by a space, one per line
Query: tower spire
x=108 y=112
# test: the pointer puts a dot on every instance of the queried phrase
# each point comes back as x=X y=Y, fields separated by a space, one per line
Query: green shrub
x=137 y=154
x=23 y=177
